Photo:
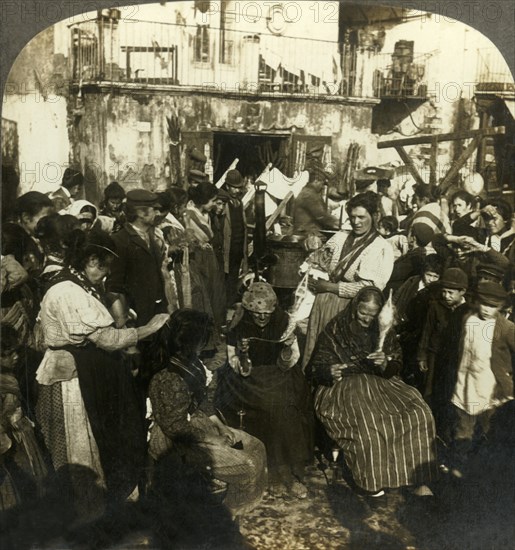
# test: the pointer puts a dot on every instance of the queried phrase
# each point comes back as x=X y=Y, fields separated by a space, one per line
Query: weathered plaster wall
x=124 y=137
x=34 y=98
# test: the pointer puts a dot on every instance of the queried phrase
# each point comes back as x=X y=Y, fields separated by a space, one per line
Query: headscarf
x=260 y=298
x=344 y=340
x=76 y=207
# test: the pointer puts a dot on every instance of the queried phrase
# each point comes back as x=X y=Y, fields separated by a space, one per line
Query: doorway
x=253 y=150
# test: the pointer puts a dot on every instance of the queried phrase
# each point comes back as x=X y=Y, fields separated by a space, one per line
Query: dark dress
x=276 y=403
x=181 y=426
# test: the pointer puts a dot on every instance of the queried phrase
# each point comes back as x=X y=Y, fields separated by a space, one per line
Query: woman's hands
x=378 y=358
x=243 y=345
x=317 y=286
x=221 y=435
x=336 y=371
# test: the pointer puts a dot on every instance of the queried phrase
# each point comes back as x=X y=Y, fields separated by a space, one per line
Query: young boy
x=453 y=284
x=484 y=378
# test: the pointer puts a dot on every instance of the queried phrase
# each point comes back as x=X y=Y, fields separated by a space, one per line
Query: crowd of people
x=111 y=313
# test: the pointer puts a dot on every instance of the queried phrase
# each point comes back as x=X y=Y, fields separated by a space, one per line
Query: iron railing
x=157 y=53
x=493 y=73
x=401 y=78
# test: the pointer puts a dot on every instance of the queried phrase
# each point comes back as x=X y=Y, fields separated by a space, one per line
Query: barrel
x=289 y=256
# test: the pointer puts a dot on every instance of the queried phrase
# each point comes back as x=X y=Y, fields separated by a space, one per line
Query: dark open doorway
x=255 y=151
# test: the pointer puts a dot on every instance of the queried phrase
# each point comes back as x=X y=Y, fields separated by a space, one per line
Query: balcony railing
x=157 y=53
x=493 y=73
x=401 y=77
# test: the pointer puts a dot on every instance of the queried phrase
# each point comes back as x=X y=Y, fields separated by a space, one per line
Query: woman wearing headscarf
x=352 y=260
x=268 y=396
x=87 y=407
x=85 y=212
x=383 y=426
x=178 y=395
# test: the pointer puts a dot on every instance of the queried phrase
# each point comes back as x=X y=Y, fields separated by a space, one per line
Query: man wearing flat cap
x=196 y=176
x=310 y=214
x=235 y=234
x=136 y=272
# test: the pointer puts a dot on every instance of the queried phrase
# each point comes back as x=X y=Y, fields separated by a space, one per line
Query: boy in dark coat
x=454 y=284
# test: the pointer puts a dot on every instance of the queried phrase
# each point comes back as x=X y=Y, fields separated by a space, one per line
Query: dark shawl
x=345 y=341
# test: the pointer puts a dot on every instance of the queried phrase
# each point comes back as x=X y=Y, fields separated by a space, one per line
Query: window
x=201 y=49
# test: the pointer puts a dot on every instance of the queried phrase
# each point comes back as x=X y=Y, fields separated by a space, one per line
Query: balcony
x=493 y=74
x=156 y=54
x=401 y=76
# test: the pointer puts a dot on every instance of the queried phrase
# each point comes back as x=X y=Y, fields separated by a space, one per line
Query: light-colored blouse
x=373 y=267
x=71 y=316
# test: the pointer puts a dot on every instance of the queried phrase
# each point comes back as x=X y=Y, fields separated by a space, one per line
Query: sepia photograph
x=257 y=275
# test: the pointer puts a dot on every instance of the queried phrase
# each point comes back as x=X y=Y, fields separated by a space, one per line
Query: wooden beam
x=433 y=162
x=278 y=210
x=456 y=167
x=271 y=220
x=419 y=140
x=409 y=163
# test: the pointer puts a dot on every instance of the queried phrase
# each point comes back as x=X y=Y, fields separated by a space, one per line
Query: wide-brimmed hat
x=454 y=278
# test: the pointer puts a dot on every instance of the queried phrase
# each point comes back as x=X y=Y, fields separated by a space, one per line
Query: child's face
x=8 y=359
x=452 y=296
x=487 y=311
x=382 y=230
x=430 y=277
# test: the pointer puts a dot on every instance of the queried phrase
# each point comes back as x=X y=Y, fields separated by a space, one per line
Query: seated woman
x=203 y=441
x=273 y=400
x=88 y=409
x=384 y=427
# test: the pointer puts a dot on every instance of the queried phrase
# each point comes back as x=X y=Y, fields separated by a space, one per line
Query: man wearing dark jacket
x=136 y=273
x=310 y=213
x=234 y=234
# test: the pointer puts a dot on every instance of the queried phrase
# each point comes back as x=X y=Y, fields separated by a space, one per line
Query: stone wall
x=123 y=136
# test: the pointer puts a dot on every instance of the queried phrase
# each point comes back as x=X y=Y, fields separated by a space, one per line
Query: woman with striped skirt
x=383 y=426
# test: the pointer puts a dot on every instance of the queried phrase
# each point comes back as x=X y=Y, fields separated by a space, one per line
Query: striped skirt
x=384 y=427
x=326 y=306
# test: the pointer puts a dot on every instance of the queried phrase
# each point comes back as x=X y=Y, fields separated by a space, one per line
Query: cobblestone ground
x=476 y=512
